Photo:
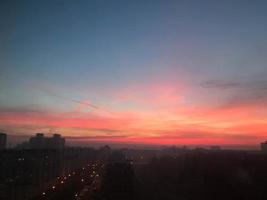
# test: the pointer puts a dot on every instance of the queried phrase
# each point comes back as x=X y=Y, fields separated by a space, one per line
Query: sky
x=135 y=72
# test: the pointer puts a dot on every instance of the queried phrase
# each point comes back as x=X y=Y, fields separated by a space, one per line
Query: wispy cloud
x=219 y=84
x=55 y=94
x=244 y=93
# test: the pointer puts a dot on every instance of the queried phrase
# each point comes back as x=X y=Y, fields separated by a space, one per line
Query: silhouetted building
x=41 y=142
x=215 y=148
x=37 y=142
x=173 y=150
x=3 y=138
x=56 y=142
x=264 y=147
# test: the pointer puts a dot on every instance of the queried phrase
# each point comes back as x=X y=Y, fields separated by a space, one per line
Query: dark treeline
x=190 y=176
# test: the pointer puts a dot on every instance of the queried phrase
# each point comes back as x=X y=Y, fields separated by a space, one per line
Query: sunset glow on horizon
x=156 y=76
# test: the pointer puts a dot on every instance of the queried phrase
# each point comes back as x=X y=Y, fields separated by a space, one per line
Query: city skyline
x=142 y=72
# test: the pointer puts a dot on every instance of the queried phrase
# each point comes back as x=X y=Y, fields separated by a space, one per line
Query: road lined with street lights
x=78 y=185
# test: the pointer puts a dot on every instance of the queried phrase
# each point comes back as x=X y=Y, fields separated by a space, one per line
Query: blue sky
x=212 y=53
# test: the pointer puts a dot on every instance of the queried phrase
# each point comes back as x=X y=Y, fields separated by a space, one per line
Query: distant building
x=41 y=142
x=173 y=150
x=264 y=147
x=56 y=142
x=3 y=138
x=37 y=142
x=215 y=148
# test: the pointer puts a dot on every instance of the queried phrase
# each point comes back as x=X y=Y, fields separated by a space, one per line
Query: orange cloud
x=159 y=114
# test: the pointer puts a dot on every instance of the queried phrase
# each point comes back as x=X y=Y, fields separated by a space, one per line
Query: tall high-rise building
x=56 y=142
x=3 y=138
x=41 y=142
x=37 y=142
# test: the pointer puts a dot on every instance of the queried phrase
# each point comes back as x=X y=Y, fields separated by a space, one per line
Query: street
x=78 y=185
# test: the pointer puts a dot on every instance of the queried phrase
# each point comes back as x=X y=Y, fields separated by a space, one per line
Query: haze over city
x=135 y=72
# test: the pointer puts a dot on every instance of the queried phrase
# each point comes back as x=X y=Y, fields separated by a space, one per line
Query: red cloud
x=161 y=115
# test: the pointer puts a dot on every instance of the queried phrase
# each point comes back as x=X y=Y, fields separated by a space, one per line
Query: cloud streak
x=246 y=93
x=152 y=114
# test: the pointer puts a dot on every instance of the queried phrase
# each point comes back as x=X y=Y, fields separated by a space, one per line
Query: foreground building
x=41 y=142
x=3 y=138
